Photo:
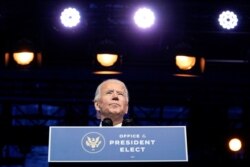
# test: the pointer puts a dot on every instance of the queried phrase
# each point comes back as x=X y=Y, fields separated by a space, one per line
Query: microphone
x=128 y=122
x=107 y=122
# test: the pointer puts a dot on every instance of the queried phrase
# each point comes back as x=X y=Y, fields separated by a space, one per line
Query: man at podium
x=111 y=103
x=138 y=146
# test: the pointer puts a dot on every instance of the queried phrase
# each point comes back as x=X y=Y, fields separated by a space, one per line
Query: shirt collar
x=118 y=125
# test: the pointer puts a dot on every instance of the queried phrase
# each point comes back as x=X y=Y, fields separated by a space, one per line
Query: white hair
x=98 y=89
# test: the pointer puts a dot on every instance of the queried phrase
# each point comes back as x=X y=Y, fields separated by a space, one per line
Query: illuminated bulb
x=144 y=18
x=235 y=144
x=107 y=60
x=70 y=17
x=228 y=20
x=23 y=58
x=185 y=62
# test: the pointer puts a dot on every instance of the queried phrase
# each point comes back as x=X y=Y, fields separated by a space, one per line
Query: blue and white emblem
x=93 y=142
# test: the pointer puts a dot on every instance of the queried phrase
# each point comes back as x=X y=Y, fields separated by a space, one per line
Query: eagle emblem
x=93 y=142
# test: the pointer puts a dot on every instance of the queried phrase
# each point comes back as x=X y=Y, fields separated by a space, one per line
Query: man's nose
x=115 y=96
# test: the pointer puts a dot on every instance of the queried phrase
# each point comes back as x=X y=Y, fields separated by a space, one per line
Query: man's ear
x=97 y=108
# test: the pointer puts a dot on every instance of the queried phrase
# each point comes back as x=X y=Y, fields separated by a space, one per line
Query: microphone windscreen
x=107 y=122
x=128 y=122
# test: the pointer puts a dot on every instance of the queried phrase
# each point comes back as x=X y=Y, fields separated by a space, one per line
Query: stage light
x=189 y=66
x=107 y=59
x=70 y=17
x=102 y=66
x=235 y=144
x=228 y=20
x=144 y=18
x=185 y=62
x=23 y=58
x=23 y=54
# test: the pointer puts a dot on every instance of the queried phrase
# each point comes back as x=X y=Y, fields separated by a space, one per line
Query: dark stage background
x=213 y=105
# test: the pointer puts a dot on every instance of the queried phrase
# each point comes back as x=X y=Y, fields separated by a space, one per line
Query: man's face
x=113 y=101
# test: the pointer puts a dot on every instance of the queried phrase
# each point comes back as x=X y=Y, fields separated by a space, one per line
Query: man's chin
x=115 y=113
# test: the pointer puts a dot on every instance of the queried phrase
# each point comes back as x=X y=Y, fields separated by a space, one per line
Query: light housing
x=187 y=61
x=107 y=58
x=23 y=55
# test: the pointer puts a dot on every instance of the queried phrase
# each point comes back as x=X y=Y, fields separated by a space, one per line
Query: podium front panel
x=117 y=144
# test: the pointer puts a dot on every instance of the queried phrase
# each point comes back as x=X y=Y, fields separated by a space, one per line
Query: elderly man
x=111 y=101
